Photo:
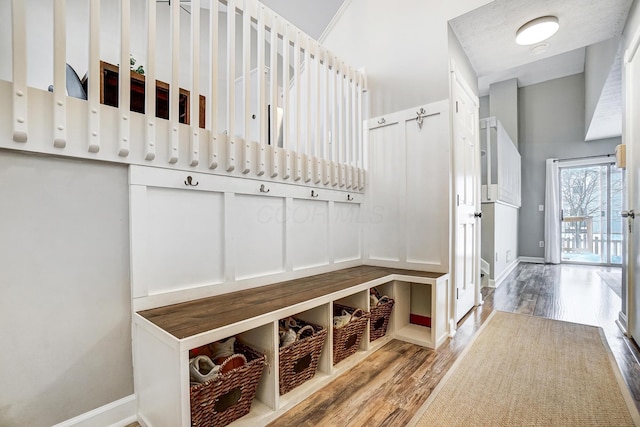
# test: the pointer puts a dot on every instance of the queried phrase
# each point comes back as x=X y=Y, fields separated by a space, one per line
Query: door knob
x=478 y=214
x=628 y=214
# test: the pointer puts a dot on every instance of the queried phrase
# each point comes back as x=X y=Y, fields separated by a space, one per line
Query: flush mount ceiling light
x=537 y=30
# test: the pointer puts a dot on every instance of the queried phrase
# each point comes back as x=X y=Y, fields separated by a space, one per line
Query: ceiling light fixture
x=537 y=30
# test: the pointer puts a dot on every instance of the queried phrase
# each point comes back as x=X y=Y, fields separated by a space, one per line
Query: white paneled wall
x=407 y=205
x=196 y=235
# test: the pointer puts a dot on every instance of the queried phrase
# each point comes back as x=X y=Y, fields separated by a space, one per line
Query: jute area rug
x=529 y=371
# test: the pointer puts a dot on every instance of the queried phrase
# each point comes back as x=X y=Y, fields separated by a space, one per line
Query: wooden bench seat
x=194 y=317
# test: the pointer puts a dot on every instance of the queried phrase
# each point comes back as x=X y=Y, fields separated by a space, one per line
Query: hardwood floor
x=388 y=387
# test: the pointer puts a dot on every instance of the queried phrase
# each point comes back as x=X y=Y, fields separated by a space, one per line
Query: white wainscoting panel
x=184 y=239
x=386 y=192
x=258 y=232
x=310 y=239
x=427 y=199
x=195 y=235
x=345 y=226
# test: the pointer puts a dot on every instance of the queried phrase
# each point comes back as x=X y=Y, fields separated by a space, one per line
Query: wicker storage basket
x=299 y=361
x=346 y=339
x=380 y=315
x=227 y=397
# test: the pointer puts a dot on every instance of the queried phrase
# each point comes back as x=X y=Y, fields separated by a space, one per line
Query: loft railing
x=277 y=104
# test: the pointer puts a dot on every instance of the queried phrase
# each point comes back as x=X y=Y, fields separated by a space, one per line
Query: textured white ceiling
x=487 y=35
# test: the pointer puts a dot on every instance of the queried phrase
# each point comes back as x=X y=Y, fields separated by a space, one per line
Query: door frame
x=457 y=78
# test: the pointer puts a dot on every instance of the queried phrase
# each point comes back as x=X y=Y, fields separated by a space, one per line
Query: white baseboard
x=495 y=283
x=532 y=259
x=120 y=413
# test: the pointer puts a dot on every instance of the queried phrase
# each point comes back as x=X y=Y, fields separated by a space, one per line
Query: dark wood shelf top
x=194 y=317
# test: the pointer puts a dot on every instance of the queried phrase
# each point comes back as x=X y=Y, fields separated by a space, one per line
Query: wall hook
x=189 y=182
x=314 y=194
x=420 y=117
x=349 y=198
x=382 y=121
x=262 y=189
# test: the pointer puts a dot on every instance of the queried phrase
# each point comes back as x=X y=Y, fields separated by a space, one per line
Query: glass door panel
x=584 y=214
x=591 y=201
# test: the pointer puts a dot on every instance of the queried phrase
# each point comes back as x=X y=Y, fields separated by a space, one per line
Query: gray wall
x=65 y=305
x=503 y=104
x=484 y=107
x=551 y=121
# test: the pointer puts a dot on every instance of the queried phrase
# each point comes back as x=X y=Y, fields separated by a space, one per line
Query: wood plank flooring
x=388 y=387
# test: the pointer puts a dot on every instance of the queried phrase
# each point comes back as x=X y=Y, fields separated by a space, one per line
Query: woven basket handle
x=304 y=328
x=361 y=311
x=233 y=356
x=381 y=298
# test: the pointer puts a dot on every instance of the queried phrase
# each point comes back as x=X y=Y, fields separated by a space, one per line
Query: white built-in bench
x=163 y=336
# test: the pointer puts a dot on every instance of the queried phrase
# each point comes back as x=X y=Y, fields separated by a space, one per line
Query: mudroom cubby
x=164 y=335
x=321 y=316
x=433 y=296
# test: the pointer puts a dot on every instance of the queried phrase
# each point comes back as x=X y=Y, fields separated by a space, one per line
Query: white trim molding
x=494 y=283
x=531 y=259
x=333 y=21
x=119 y=413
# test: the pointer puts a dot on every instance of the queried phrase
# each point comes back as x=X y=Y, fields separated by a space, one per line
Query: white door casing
x=466 y=201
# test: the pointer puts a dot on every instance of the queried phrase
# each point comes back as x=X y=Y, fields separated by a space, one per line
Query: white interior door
x=466 y=170
x=632 y=132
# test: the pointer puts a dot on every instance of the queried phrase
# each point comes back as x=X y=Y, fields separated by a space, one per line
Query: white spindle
x=308 y=68
x=174 y=90
x=286 y=104
x=273 y=138
x=93 y=89
x=231 y=89
x=335 y=140
x=194 y=122
x=327 y=117
x=359 y=130
x=262 y=104
x=354 y=118
x=361 y=172
x=246 y=87
x=124 y=105
x=348 y=141
x=59 y=74
x=150 y=84
x=342 y=125
x=19 y=57
x=297 y=85
x=317 y=116
x=213 y=90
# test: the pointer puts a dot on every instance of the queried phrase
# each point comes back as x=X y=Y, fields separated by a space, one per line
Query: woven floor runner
x=529 y=371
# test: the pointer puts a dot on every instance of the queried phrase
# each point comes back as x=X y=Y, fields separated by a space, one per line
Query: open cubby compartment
x=262 y=339
x=356 y=300
x=320 y=315
x=387 y=289
x=416 y=299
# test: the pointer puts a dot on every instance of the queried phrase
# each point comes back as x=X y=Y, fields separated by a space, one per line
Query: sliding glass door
x=591 y=201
